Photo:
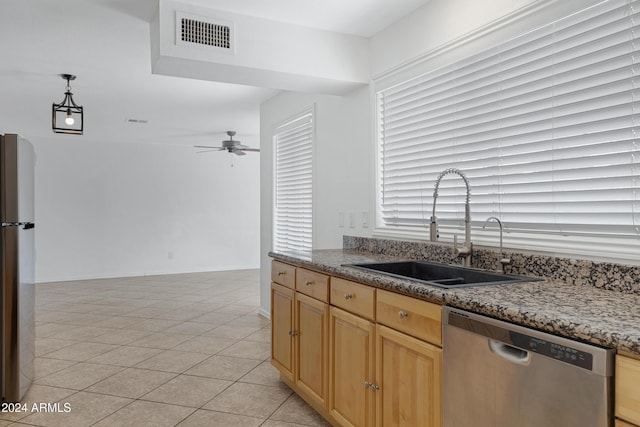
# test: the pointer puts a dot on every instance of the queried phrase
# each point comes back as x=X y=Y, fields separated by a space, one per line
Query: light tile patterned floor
x=174 y=350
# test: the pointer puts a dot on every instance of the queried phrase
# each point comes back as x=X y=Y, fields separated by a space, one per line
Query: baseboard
x=264 y=313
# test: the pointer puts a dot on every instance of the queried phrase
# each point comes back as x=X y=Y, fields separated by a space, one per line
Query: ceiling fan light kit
x=231 y=145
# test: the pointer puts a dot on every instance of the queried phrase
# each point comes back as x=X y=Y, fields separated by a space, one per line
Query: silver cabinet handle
x=371 y=386
x=348 y=296
x=403 y=314
x=308 y=283
x=293 y=333
x=281 y=273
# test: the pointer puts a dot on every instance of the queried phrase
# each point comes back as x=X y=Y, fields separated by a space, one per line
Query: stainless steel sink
x=441 y=275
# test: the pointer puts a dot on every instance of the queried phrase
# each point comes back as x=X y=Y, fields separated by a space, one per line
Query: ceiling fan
x=231 y=145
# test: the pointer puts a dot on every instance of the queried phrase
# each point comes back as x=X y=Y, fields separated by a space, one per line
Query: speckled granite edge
x=602 y=275
x=584 y=313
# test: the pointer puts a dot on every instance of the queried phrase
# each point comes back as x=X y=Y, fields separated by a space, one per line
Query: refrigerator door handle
x=25 y=225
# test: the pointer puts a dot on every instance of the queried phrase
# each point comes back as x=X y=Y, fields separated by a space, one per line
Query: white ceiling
x=106 y=44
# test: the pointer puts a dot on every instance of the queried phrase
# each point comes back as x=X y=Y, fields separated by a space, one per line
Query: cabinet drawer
x=620 y=423
x=354 y=297
x=628 y=389
x=314 y=284
x=283 y=274
x=415 y=317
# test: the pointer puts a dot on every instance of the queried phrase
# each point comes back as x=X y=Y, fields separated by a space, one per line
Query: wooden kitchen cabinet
x=299 y=330
x=408 y=373
x=408 y=361
x=627 y=386
x=620 y=423
x=311 y=351
x=361 y=356
x=405 y=388
x=282 y=349
x=351 y=367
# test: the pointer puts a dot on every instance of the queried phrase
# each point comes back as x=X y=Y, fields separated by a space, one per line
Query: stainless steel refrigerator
x=17 y=265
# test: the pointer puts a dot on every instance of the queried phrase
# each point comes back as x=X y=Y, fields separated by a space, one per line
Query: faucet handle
x=460 y=251
x=463 y=251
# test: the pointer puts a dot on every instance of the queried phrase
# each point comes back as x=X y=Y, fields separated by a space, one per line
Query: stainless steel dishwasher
x=496 y=374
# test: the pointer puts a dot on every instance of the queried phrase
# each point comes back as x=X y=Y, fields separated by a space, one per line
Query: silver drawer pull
x=281 y=273
x=367 y=384
x=308 y=283
x=293 y=333
x=403 y=314
x=348 y=296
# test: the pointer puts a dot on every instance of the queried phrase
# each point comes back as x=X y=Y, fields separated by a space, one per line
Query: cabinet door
x=351 y=364
x=408 y=373
x=282 y=354
x=627 y=389
x=311 y=325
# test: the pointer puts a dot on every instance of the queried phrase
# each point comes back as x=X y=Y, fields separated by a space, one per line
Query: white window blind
x=545 y=126
x=293 y=143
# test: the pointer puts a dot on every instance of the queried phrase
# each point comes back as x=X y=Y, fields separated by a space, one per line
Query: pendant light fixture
x=67 y=116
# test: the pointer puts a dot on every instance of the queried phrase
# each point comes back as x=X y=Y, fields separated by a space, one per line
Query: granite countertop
x=582 y=312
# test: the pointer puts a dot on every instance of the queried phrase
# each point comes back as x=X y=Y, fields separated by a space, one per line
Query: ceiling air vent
x=192 y=30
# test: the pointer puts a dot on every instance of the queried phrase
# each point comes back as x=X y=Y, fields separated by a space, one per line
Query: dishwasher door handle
x=510 y=353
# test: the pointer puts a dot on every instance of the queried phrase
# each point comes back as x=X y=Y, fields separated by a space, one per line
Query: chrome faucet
x=466 y=250
x=503 y=261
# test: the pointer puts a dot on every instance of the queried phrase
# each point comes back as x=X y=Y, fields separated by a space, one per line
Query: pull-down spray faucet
x=466 y=250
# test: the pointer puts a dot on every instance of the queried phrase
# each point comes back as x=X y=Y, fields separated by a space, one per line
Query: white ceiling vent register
x=207 y=32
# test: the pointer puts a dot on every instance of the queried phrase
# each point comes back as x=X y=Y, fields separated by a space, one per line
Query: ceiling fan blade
x=208 y=146
x=238 y=152
x=251 y=149
x=207 y=150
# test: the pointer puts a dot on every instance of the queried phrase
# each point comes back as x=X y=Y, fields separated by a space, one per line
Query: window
x=293 y=142
x=545 y=126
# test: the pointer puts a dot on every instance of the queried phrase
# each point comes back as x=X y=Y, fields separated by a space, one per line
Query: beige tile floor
x=174 y=350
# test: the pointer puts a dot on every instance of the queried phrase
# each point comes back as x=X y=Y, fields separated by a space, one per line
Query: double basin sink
x=441 y=275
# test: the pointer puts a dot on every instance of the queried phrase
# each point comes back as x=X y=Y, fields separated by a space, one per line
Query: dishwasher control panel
x=559 y=352
x=527 y=339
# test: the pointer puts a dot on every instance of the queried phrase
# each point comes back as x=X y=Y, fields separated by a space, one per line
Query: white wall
x=343 y=168
x=106 y=209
